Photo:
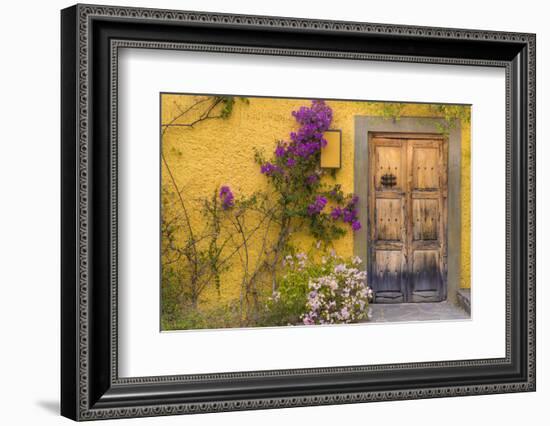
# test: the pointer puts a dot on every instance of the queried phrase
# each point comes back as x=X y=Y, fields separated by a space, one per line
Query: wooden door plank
x=425 y=216
x=407 y=221
x=408 y=196
x=426 y=195
x=428 y=176
x=386 y=218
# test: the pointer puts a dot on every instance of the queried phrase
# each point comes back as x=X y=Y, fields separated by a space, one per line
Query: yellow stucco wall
x=221 y=152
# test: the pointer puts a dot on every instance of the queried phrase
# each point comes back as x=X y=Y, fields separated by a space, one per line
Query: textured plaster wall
x=221 y=152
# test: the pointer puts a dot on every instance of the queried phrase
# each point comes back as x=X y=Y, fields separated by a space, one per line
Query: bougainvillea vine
x=295 y=172
x=227 y=198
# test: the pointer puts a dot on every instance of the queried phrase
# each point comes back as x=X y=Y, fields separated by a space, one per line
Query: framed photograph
x=263 y=212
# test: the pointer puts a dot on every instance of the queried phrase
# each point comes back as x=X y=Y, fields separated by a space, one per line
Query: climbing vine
x=299 y=197
x=296 y=178
x=253 y=234
x=192 y=258
x=303 y=198
x=451 y=114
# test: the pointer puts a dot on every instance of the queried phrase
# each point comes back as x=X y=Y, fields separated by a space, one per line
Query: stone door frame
x=370 y=124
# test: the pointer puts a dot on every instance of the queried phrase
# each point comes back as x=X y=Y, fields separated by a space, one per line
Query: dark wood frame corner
x=91 y=37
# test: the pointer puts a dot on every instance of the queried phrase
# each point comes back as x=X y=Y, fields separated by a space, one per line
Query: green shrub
x=190 y=318
x=289 y=304
x=285 y=305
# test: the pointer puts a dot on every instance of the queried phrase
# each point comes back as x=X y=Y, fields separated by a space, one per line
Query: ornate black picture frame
x=91 y=36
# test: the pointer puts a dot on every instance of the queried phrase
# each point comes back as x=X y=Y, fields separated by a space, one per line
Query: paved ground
x=384 y=312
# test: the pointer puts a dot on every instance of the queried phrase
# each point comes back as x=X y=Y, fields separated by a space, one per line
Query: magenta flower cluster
x=348 y=214
x=314 y=121
x=295 y=167
x=269 y=169
x=227 y=198
x=317 y=206
x=305 y=142
x=312 y=179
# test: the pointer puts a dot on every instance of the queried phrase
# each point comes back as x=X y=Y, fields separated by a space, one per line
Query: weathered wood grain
x=408 y=220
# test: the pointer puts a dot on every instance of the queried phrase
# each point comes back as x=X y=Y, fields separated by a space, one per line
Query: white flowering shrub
x=341 y=296
x=332 y=291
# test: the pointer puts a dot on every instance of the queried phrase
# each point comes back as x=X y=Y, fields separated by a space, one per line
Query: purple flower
x=314 y=121
x=280 y=151
x=307 y=149
x=348 y=215
x=336 y=212
x=317 y=206
x=345 y=313
x=356 y=225
x=318 y=116
x=226 y=197
x=268 y=169
x=312 y=179
x=308 y=320
x=291 y=162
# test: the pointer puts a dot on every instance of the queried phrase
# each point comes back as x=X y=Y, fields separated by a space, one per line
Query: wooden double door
x=408 y=217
